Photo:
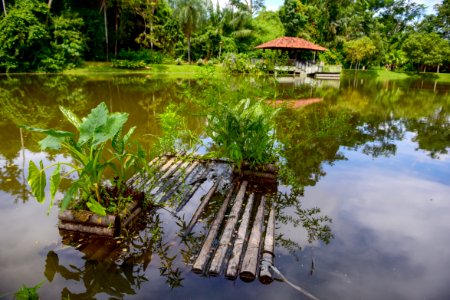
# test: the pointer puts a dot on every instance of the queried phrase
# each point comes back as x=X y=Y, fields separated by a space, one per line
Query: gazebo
x=296 y=45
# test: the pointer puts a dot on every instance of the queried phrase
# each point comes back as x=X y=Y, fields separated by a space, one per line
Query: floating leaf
x=37 y=181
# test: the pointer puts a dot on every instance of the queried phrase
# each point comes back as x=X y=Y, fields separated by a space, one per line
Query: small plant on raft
x=243 y=132
x=96 y=133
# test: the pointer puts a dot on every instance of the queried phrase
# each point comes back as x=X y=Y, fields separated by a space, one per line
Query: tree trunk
x=424 y=69
x=50 y=4
x=4 y=7
x=106 y=29
x=189 y=48
x=117 y=31
x=438 y=68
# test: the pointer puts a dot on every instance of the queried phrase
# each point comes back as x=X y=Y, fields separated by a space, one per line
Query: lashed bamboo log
x=251 y=257
x=100 y=230
x=87 y=218
x=227 y=234
x=205 y=252
x=202 y=206
x=178 y=183
x=233 y=263
x=265 y=276
x=258 y=174
x=171 y=176
x=188 y=194
x=160 y=183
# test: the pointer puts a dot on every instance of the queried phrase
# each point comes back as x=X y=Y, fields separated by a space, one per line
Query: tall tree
x=4 y=7
x=190 y=15
x=426 y=49
x=443 y=18
x=105 y=19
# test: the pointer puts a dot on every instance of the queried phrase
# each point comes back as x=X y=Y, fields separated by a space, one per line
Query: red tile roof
x=287 y=42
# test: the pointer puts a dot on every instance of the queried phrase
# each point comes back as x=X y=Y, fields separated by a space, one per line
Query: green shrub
x=237 y=63
x=148 y=56
x=178 y=61
x=200 y=62
x=128 y=64
x=243 y=132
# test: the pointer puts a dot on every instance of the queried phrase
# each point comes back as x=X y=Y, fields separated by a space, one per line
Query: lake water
x=372 y=155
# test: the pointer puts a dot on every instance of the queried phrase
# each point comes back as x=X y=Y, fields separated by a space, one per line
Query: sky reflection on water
x=389 y=209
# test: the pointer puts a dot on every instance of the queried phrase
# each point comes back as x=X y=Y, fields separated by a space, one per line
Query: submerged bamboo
x=265 y=276
x=250 y=261
x=202 y=206
x=233 y=263
x=205 y=252
x=219 y=256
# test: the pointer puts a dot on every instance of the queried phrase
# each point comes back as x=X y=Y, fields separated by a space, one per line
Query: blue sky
x=275 y=4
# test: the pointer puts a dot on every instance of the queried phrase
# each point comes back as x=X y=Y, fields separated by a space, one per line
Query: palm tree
x=190 y=15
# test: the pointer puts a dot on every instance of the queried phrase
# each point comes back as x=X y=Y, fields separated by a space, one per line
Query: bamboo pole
x=202 y=206
x=173 y=173
x=250 y=261
x=233 y=263
x=219 y=256
x=160 y=182
x=175 y=187
x=205 y=252
x=265 y=276
x=100 y=230
x=187 y=195
x=87 y=218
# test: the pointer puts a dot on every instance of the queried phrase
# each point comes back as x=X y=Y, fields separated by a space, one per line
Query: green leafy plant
x=87 y=148
x=243 y=132
x=128 y=64
x=175 y=135
x=28 y=293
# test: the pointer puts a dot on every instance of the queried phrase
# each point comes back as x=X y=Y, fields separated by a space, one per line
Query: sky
x=275 y=4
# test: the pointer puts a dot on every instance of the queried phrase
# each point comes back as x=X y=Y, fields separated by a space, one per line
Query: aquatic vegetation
x=243 y=132
x=88 y=146
x=28 y=293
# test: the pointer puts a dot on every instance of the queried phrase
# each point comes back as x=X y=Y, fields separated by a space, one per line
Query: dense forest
x=37 y=35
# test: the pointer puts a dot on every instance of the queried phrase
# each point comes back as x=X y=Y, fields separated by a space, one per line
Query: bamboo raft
x=241 y=234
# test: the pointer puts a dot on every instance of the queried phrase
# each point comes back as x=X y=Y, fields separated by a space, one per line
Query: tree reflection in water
x=116 y=267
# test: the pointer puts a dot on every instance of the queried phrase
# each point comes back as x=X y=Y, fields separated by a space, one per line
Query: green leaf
x=51 y=132
x=71 y=117
x=100 y=126
x=37 y=181
x=55 y=179
x=69 y=195
x=127 y=136
x=51 y=142
x=96 y=208
x=113 y=125
x=92 y=123
x=118 y=143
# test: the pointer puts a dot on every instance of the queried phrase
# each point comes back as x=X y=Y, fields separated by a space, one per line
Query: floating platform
x=239 y=234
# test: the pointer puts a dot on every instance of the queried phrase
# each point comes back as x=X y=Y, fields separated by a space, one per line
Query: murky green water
x=371 y=154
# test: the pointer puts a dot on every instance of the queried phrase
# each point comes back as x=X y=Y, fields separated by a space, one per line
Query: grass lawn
x=166 y=70
x=383 y=74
